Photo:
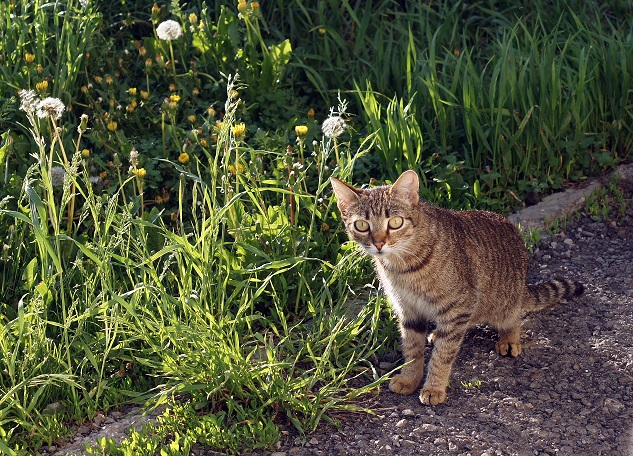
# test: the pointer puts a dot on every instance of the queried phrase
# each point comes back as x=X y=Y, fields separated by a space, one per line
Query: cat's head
x=381 y=219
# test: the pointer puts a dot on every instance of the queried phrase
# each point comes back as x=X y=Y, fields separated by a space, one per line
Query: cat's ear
x=407 y=187
x=345 y=194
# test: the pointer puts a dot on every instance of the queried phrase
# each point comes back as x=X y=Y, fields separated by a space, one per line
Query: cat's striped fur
x=456 y=268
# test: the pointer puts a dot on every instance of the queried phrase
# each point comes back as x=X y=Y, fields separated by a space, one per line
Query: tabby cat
x=456 y=268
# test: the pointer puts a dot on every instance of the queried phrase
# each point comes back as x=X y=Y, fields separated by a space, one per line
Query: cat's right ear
x=345 y=194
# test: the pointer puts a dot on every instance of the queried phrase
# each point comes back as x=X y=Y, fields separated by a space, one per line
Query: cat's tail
x=546 y=294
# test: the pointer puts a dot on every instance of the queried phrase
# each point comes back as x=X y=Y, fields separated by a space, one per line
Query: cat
x=455 y=268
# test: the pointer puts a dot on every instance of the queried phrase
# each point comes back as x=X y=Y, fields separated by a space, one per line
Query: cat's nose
x=379 y=245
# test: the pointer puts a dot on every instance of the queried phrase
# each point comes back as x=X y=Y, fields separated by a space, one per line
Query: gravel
x=569 y=393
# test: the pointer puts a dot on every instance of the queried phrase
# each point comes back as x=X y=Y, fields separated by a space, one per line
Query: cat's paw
x=505 y=347
x=432 y=396
x=402 y=384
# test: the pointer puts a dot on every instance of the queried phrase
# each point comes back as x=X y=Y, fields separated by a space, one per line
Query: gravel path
x=569 y=393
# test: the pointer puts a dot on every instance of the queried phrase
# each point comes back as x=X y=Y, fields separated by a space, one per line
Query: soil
x=569 y=393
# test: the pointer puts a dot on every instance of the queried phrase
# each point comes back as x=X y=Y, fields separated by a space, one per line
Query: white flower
x=333 y=126
x=50 y=107
x=58 y=174
x=169 y=30
x=134 y=158
x=29 y=100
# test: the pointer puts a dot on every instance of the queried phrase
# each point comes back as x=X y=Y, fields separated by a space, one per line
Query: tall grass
x=229 y=313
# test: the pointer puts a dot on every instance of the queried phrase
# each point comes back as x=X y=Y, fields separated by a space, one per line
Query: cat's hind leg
x=413 y=341
x=509 y=341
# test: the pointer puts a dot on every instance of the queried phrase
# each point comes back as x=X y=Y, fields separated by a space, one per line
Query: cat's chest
x=407 y=292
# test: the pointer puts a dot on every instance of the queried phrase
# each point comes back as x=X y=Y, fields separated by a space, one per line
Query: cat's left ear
x=345 y=194
x=407 y=186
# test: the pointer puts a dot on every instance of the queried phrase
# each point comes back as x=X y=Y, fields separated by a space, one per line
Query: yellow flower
x=98 y=79
x=174 y=98
x=159 y=199
x=144 y=95
x=84 y=89
x=195 y=91
x=142 y=51
x=140 y=173
x=85 y=153
x=234 y=170
x=311 y=114
x=255 y=5
x=103 y=175
x=132 y=91
x=40 y=68
x=322 y=30
x=193 y=18
x=112 y=126
x=183 y=158
x=191 y=118
x=130 y=108
x=241 y=6
x=148 y=63
x=219 y=125
x=108 y=79
x=42 y=86
x=301 y=130
x=29 y=58
x=201 y=25
x=204 y=143
x=172 y=87
x=239 y=130
x=211 y=111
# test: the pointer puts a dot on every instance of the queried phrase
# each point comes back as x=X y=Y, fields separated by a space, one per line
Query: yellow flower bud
x=301 y=130
x=239 y=130
x=42 y=86
x=184 y=158
x=112 y=126
x=29 y=57
x=144 y=94
x=140 y=173
x=85 y=153
x=132 y=91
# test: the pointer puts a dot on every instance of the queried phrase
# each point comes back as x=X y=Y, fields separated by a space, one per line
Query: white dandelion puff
x=334 y=126
x=169 y=30
x=50 y=107
x=58 y=174
x=29 y=100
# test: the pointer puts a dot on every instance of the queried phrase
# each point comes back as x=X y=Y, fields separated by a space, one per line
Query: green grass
x=193 y=255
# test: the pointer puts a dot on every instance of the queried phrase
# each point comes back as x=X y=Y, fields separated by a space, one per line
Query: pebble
x=408 y=412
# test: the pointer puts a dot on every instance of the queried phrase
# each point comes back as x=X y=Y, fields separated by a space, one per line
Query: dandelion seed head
x=334 y=126
x=29 y=100
x=169 y=30
x=50 y=107
x=58 y=173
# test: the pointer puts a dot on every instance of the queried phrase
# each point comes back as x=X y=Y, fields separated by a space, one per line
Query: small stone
x=279 y=453
x=408 y=412
x=314 y=441
x=568 y=241
x=401 y=423
x=384 y=365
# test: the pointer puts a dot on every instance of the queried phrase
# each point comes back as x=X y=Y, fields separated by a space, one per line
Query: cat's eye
x=361 y=225
x=395 y=222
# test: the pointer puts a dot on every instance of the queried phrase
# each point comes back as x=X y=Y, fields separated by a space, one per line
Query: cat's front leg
x=413 y=341
x=448 y=340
